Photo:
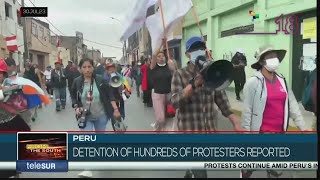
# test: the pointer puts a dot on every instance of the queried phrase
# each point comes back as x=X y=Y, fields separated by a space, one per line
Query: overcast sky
x=92 y=18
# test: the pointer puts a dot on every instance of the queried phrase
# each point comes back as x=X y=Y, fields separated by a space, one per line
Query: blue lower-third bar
x=41 y=166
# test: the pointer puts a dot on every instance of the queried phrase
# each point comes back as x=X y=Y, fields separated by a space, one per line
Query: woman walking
x=93 y=101
x=146 y=86
x=268 y=102
x=161 y=76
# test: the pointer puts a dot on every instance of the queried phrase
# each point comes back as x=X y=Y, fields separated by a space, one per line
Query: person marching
x=59 y=84
x=47 y=75
x=239 y=62
x=268 y=101
x=161 y=76
x=136 y=75
x=26 y=115
x=93 y=101
x=10 y=120
x=117 y=92
x=146 y=85
x=196 y=102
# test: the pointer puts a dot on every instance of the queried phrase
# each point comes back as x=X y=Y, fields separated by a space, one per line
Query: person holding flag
x=161 y=76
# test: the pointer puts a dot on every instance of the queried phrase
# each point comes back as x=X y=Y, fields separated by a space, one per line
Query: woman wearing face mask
x=161 y=76
x=268 y=101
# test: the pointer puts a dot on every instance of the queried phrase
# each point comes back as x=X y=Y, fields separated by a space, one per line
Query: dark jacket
x=136 y=74
x=106 y=95
x=58 y=81
x=31 y=75
x=71 y=75
x=100 y=70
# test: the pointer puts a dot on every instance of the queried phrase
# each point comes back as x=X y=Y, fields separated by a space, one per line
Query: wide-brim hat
x=58 y=62
x=267 y=49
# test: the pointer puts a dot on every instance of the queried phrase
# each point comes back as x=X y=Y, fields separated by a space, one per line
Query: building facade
x=94 y=54
x=10 y=25
x=38 y=39
x=221 y=21
x=73 y=43
x=84 y=51
x=133 y=48
x=64 y=55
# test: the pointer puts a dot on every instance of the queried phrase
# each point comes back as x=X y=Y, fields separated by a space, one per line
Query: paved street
x=138 y=118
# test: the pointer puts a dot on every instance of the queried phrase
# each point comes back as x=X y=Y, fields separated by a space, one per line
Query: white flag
x=137 y=18
x=173 y=12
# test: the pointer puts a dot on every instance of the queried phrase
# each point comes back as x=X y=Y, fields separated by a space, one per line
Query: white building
x=10 y=25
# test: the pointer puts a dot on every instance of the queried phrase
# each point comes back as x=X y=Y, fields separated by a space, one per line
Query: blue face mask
x=197 y=53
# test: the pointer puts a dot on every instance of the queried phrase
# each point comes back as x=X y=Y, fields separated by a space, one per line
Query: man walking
x=101 y=68
x=239 y=62
x=59 y=84
x=47 y=75
x=195 y=102
x=71 y=75
x=136 y=75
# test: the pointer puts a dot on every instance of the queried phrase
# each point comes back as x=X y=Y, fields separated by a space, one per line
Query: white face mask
x=162 y=64
x=272 y=64
x=195 y=54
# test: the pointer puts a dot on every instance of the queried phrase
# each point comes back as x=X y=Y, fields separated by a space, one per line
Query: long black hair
x=82 y=61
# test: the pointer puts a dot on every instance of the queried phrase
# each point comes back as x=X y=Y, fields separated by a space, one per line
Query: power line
x=83 y=39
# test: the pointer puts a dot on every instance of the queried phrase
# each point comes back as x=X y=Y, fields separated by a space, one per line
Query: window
x=47 y=37
x=19 y=18
x=41 y=32
x=8 y=9
x=34 y=29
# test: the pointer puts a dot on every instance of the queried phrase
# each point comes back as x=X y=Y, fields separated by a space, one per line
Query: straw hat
x=267 y=49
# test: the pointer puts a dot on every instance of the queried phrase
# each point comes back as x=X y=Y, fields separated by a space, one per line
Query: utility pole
x=92 y=53
x=26 y=49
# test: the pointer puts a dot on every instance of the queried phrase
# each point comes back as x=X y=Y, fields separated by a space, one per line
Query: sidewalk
x=237 y=107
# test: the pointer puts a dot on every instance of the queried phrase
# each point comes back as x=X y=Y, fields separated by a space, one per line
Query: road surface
x=138 y=117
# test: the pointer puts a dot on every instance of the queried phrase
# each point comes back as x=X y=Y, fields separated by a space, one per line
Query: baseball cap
x=192 y=41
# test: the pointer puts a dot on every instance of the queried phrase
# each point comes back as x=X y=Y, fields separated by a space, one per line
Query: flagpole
x=26 y=49
x=164 y=28
x=198 y=23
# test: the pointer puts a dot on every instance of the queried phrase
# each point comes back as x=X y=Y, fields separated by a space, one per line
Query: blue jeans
x=60 y=95
x=96 y=124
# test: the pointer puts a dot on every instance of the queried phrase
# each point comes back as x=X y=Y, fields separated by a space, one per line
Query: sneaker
x=63 y=107
x=51 y=96
x=238 y=98
x=85 y=174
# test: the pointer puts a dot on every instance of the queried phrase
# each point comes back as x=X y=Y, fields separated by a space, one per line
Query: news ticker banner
x=45 y=166
x=58 y=152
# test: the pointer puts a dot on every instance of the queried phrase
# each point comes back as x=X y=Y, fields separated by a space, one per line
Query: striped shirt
x=198 y=112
